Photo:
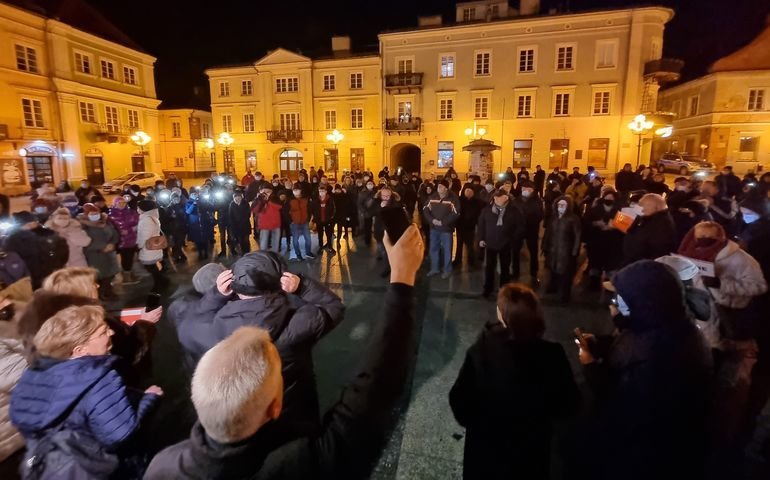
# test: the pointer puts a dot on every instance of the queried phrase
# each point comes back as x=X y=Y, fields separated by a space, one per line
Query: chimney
x=341 y=44
x=429 y=21
x=529 y=7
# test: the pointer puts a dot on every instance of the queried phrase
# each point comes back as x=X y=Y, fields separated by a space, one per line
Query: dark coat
x=470 y=210
x=350 y=439
x=315 y=208
x=102 y=234
x=561 y=243
x=200 y=225
x=650 y=237
x=500 y=237
x=343 y=207
x=192 y=315
x=506 y=396
x=628 y=181
x=729 y=185
x=366 y=202
x=409 y=196
x=604 y=247
x=446 y=210
x=378 y=226
x=240 y=218
x=41 y=249
x=533 y=211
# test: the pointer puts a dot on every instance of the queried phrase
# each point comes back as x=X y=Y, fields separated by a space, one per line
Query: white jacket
x=149 y=226
x=739 y=275
x=76 y=238
x=12 y=365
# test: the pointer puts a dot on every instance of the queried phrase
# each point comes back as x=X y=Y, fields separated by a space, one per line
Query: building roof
x=80 y=15
x=754 y=56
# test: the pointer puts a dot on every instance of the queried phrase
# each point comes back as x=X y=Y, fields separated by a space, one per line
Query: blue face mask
x=749 y=218
x=622 y=306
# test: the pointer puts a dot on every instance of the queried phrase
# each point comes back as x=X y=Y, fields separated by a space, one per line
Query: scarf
x=500 y=211
x=690 y=248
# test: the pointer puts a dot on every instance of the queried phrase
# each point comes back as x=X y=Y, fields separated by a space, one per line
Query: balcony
x=403 y=81
x=664 y=70
x=112 y=133
x=284 y=135
x=394 y=125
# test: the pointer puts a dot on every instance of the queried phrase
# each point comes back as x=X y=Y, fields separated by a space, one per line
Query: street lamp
x=639 y=127
x=140 y=139
x=335 y=137
x=475 y=132
x=226 y=140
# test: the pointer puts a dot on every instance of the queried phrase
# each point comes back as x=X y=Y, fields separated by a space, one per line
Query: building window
x=756 y=100
x=357 y=118
x=693 y=110
x=356 y=81
x=526 y=60
x=133 y=119
x=330 y=81
x=469 y=14
x=224 y=89
x=565 y=57
x=33 y=113
x=522 y=153
x=524 y=106
x=206 y=130
x=357 y=163
x=251 y=159
x=246 y=88
x=561 y=105
x=558 y=155
x=597 y=152
x=83 y=63
x=213 y=160
x=405 y=65
x=26 y=59
x=108 y=70
x=606 y=53
x=483 y=63
x=481 y=107
x=601 y=103
x=129 y=75
x=446 y=109
x=248 y=122
x=176 y=129
x=111 y=116
x=446 y=154
x=227 y=123
x=447 y=66
x=675 y=108
x=330 y=119
x=405 y=112
x=87 y=112
x=179 y=162
x=289 y=121
x=286 y=84
x=748 y=147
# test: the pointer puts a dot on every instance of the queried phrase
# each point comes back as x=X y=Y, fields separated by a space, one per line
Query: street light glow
x=640 y=124
x=664 y=132
x=140 y=138
x=335 y=137
x=225 y=139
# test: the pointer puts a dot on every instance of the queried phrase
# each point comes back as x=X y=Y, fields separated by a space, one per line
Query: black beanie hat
x=147 y=205
x=257 y=273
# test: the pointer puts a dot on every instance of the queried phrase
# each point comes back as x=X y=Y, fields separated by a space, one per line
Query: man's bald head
x=652 y=203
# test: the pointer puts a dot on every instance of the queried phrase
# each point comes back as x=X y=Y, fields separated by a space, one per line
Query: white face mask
x=526 y=193
x=489 y=187
x=561 y=210
x=237 y=200
x=127 y=198
x=94 y=217
x=321 y=193
x=681 y=188
x=41 y=210
x=297 y=193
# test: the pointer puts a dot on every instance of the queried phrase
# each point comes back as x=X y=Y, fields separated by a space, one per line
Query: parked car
x=684 y=164
x=143 y=179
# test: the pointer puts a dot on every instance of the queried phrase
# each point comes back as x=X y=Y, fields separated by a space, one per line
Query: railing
x=664 y=66
x=399 y=80
x=396 y=125
x=278 y=135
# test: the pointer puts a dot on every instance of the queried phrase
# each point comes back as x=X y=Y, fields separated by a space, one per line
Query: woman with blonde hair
x=72 y=231
x=12 y=365
x=71 y=406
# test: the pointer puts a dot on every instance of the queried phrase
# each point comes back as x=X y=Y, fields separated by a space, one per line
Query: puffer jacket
x=740 y=277
x=102 y=235
x=12 y=365
x=149 y=226
x=126 y=221
x=76 y=239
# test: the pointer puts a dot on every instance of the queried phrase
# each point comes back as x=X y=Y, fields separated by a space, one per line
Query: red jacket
x=299 y=209
x=269 y=216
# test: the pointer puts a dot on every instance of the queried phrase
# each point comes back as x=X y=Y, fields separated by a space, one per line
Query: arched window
x=291 y=163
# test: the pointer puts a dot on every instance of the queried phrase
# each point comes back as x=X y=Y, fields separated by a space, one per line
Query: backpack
x=12 y=268
x=61 y=454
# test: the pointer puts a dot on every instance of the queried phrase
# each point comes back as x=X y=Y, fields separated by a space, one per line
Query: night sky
x=188 y=36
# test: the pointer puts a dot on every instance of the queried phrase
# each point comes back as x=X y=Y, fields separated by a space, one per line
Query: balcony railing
x=401 y=80
x=397 y=125
x=664 y=69
x=278 y=135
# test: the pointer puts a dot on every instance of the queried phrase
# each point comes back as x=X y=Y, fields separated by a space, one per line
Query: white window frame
x=446 y=108
x=357 y=118
x=112 y=118
x=289 y=121
x=133 y=75
x=133 y=118
x=224 y=89
x=29 y=67
x=248 y=123
x=356 y=85
x=485 y=109
x=405 y=58
x=556 y=91
x=573 y=45
x=476 y=54
x=330 y=119
x=36 y=110
x=594 y=96
x=247 y=88
x=227 y=122
x=287 y=84
x=690 y=105
x=615 y=43
x=178 y=162
x=329 y=82
x=107 y=62
x=87 y=112
x=758 y=103
x=526 y=92
x=405 y=99
x=441 y=58
x=80 y=65
x=206 y=130
x=519 y=51
x=176 y=128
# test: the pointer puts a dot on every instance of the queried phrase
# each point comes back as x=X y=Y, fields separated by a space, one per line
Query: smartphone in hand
x=395 y=221
x=152 y=302
x=580 y=339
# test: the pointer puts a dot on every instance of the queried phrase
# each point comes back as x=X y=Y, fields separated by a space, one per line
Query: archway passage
x=290 y=163
x=406 y=156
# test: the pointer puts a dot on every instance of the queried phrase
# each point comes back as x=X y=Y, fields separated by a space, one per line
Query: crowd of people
x=679 y=387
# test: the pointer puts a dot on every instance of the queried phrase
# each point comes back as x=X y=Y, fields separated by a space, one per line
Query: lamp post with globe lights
x=140 y=139
x=335 y=137
x=639 y=127
x=225 y=139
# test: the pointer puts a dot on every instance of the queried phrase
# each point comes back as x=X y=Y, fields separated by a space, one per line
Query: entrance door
x=137 y=163
x=95 y=170
x=39 y=170
x=357 y=160
x=290 y=163
x=559 y=153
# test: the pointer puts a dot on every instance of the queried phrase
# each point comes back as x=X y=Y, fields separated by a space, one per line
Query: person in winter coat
x=500 y=225
x=12 y=365
x=173 y=222
x=323 y=210
x=299 y=210
x=470 y=210
x=72 y=231
x=85 y=192
x=41 y=249
x=100 y=252
x=532 y=207
x=409 y=197
x=356 y=425
x=126 y=222
x=578 y=190
x=561 y=246
x=626 y=181
x=268 y=214
x=386 y=199
x=604 y=242
x=687 y=215
x=510 y=364
x=723 y=209
x=239 y=213
x=344 y=211
x=651 y=383
x=729 y=184
x=200 y=225
x=262 y=288
x=73 y=393
x=149 y=227
x=652 y=234
x=441 y=212
x=365 y=204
